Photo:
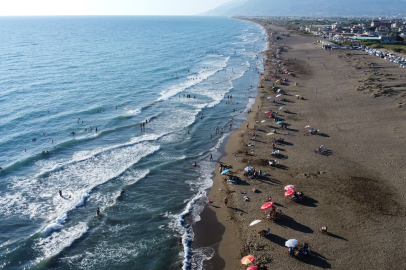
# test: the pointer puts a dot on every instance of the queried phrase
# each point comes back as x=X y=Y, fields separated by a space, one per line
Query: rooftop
x=365 y=38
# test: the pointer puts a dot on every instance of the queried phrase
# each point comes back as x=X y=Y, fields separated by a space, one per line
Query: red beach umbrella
x=248 y=260
x=254 y=267
x=289 y=192
x=289 y=187
x=267 y=205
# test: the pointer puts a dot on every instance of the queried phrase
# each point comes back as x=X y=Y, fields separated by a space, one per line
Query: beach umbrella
x=289 y=187
x=225 y=171
x=249 y=168
x=267 y=111
x=291 y=243
x=307 y=126
x=270 y=133
x=278 y=95
x=267 y=205
x=248 y=259
x=253 y=267
x=279 y=122
x=263 y=121
x=255 y=222
x=280 y=108
x=269 y=97
x=290 y=192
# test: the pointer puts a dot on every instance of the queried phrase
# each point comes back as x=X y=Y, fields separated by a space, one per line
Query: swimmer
x=98 y=211
x=122 y=191
x=60 y=193
x=194 y=164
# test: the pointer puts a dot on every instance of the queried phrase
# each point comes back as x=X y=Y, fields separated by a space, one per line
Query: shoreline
x=332 y=182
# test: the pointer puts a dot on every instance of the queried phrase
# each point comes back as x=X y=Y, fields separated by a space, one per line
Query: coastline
x=350 y=189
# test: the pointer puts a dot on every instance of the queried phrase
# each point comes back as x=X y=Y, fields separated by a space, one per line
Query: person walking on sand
x=225 y=202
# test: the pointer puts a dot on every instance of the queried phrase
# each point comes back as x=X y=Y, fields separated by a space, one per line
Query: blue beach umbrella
x=225 y=171
x=281 y=108
x=279 y=122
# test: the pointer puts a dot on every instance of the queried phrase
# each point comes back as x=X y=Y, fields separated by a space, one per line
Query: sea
x=93 y=105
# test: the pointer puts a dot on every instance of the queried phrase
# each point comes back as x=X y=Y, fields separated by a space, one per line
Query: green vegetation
x=399 y=48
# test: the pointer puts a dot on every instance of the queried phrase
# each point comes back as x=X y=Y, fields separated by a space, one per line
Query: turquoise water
x=72 y=74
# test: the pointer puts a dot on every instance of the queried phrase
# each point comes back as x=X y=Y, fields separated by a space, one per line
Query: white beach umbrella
x=255 y=222
x=291 y=243
x=249 y=168
x=278 y=95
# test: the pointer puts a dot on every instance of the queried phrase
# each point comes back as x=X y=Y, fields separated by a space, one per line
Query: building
x=385 y=24
x=396 y=25
x=387 y=40
x=337 y=25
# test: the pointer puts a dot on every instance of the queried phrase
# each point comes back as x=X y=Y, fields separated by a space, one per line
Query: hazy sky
x=106 y=7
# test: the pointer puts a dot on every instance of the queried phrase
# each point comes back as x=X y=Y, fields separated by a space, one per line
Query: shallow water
x=64 y=74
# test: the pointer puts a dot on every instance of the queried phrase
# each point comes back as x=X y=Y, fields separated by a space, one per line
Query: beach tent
x=253 y=267
x=289 y=187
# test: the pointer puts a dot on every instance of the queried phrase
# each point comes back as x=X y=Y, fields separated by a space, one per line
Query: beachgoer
x=122 y=191
x=211 y=157
x=225 y=202
x=98 y=211
x=60 y=193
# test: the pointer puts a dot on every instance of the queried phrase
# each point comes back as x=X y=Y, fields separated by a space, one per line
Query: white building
x=337 y=25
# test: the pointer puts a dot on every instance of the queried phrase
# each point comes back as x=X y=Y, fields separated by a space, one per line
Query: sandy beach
x=355 y=186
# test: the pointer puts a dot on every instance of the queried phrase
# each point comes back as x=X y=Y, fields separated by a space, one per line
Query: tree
x=399 y=38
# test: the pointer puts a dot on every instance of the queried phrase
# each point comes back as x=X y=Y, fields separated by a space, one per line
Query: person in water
x=98 y=211
x=122 y=191
x=60 y=193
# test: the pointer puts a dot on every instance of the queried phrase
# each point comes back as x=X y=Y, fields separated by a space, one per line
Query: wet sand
x=356 y=188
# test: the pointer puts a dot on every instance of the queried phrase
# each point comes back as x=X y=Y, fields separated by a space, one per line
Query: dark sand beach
x=356 y=186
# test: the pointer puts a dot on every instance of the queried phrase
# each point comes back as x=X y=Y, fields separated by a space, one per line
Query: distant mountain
x=224 y=8
x=327 y=8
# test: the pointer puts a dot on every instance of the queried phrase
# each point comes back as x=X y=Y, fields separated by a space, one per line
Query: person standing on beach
x=211 y=157
x=225 y=202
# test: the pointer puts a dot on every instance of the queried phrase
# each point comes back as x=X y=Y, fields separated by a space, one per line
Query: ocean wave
x=194 y=80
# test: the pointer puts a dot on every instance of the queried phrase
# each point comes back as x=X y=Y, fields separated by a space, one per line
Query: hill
x=310 y=8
